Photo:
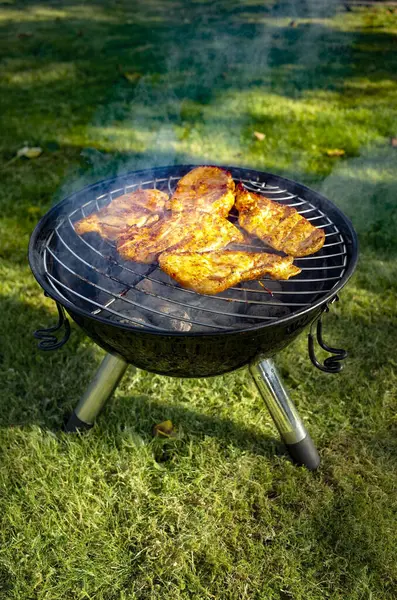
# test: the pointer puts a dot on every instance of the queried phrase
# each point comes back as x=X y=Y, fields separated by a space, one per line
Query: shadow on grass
x=82 y=59
x=38 y=388
x=368 y=339
x=138 y=414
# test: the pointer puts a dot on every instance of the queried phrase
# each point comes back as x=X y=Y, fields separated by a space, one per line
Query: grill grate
x=89 y=273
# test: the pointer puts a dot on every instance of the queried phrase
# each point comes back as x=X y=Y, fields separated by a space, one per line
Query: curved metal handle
x=48 y=341
x=331 y=364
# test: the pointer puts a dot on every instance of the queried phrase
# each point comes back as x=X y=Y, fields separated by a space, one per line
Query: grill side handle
x=48 y=341
x=332 y=364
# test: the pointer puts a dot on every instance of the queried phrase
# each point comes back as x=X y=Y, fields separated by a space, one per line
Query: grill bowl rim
x=35 y=258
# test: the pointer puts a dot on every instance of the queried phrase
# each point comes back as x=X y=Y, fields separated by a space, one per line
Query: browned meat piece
x=214 y=272
x=184 y=231
x=206 y=189
x=140 y=208
x=279 y=226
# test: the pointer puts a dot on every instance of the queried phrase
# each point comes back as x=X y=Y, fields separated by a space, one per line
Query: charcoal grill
x=140 y=316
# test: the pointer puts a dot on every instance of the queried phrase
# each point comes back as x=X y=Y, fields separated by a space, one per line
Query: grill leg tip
x=304 y=453
x=74 y=424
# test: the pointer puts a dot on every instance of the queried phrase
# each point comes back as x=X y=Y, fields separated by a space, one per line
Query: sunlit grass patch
x=48 y=74
x=218 y=512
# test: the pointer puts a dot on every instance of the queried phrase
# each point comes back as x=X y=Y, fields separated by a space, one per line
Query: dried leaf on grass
x=259 y=135
x=164 y=429
x=29 y=152
x=332 y=152
x=25 y=152
x=132 y=77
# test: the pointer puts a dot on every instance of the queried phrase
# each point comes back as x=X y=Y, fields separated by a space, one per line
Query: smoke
x=359 y=186
x=195 y=81
x=190 y=84
x=201 y=79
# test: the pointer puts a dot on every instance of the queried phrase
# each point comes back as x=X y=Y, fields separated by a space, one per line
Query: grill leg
x=285 y=416
x=98 y=392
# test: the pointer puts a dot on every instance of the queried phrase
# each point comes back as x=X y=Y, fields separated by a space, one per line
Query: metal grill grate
x=89 y=273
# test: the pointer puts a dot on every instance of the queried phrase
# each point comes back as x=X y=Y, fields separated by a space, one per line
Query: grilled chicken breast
x=214 y=272
x=205 y=189
x=182 y=231
x=279 y=226
x=139 y=209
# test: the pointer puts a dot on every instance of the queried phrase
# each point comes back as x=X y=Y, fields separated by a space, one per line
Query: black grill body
x=211 y=350
x=193 y=355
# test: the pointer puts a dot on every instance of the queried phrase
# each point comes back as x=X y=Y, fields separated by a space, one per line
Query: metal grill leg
x=98 y=392
x=285 y=416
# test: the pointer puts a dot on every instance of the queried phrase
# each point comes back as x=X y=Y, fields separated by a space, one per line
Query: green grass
x=219 y=511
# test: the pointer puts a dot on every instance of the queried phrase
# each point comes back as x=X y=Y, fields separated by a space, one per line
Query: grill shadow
x=37 y=387
x=136 y=415
x=47 y=395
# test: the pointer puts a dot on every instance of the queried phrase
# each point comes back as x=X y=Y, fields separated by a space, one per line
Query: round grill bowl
x=139 y=313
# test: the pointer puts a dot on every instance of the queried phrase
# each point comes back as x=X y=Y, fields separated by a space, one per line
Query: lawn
x=218 y=512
